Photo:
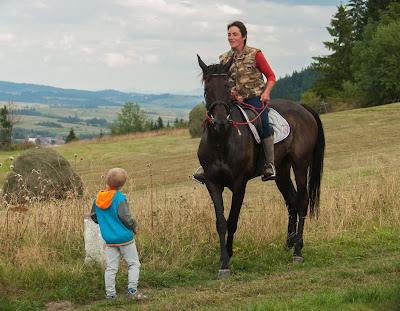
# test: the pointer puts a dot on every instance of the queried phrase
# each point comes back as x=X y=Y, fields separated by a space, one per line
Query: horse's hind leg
x=302 y=203
x=285 y=186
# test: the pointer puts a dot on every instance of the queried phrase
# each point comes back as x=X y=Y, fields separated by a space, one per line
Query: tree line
x=364 y=66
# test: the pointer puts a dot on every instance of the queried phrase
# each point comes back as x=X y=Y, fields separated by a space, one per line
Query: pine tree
x=358 y=14
x=160 y=124
x=71 y=136
x=335 y=68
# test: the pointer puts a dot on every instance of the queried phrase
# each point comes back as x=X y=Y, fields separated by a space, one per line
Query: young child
x=110 y=210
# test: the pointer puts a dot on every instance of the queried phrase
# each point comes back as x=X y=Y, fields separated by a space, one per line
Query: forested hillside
x=57 y=97
x=291 y=87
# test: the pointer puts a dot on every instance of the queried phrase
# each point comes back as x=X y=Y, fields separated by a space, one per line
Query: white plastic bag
x=95 y=246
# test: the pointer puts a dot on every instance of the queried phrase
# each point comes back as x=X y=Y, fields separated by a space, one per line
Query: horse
x=230 y=157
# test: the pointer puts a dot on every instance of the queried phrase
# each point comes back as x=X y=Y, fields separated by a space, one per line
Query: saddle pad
x=280 y=127
x=279 y=124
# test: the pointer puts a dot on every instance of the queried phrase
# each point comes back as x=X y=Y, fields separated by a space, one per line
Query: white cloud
x=227 y=9
x=116 y=60
x=119 y=44
x=6 y=37
x=151 y=59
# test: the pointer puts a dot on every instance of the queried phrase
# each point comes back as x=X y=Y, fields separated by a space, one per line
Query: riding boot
x=268 y=145
x=199 y=176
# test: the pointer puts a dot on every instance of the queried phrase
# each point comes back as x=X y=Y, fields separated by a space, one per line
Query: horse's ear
x=201 y=63
x=228 y=65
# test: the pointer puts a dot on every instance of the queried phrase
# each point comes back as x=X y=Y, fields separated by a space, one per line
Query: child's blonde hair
x=116 y=177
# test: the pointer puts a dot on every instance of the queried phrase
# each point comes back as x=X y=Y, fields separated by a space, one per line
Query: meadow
x=351 y=251
x=52 y=114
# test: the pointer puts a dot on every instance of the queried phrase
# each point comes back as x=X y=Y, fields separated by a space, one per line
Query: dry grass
x=175 y=215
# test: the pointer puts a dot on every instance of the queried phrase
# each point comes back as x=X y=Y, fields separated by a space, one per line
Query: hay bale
x=41 y=173
x=196 y=117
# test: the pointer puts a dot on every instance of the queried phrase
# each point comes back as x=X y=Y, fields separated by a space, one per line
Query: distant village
x=44 y=140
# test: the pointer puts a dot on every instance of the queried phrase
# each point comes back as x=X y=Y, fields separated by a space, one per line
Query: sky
x=150 y=45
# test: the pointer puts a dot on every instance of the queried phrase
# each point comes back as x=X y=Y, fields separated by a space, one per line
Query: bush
x=196 y=117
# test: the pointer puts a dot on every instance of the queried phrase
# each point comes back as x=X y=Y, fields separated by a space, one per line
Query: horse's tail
x=316 y=166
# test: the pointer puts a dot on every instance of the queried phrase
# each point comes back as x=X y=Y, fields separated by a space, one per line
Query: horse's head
x=217 y=93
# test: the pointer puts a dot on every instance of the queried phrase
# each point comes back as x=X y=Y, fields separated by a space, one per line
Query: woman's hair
x=241 y=27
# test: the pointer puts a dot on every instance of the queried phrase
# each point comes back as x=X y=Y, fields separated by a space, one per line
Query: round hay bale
x=196 y=117
x=41 y=173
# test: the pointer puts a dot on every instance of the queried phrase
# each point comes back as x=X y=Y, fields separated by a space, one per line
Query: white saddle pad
x=281 y=128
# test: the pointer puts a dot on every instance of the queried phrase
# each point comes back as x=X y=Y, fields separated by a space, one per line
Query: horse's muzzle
x=221 y=125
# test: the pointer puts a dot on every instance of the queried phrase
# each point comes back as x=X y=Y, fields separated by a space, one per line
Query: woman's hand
x=265 y=98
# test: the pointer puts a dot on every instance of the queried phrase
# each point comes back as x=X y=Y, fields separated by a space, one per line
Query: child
x=110 y=210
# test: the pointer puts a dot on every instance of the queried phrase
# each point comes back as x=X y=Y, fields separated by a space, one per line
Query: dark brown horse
x=231 y=159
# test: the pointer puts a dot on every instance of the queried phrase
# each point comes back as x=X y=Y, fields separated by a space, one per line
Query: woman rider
x=249 y=87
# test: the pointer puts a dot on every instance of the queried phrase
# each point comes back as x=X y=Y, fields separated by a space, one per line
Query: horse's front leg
x=237 y=201
x=216 y=196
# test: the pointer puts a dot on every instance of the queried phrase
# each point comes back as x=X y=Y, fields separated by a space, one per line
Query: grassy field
x=109 y=113
x=352 y=251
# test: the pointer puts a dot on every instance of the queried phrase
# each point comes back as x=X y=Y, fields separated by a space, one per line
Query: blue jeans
x=255 y=102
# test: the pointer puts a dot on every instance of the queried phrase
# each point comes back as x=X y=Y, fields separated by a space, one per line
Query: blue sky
x=150 y=45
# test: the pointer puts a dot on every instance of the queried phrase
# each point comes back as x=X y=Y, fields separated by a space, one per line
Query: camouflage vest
x=246 y=80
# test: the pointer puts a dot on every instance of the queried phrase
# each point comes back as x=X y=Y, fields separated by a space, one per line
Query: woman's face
x=235 y=38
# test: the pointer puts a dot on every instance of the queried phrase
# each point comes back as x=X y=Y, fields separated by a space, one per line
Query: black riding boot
x=268 y=145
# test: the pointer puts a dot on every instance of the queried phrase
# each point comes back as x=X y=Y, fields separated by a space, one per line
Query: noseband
x=216 y=103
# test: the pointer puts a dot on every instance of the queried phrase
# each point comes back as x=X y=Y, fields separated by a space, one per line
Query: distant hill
x=292 y=86
x=58 y=97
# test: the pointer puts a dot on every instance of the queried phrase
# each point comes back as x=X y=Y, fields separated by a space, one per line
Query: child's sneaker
x=134 y=295
x=111 y=297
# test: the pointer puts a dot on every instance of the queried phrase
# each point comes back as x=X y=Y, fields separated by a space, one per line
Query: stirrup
x=196 y=178
x=270 y=177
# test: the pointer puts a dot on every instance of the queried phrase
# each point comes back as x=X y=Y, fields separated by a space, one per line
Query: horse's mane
x=212 y=70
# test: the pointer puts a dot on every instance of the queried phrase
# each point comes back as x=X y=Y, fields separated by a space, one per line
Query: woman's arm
x=264 y=67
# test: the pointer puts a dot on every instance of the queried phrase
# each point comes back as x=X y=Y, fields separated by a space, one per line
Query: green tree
x=375 y=7
x=160 y=124
x=8 y=120
x=311 y=99
x=376 y=63
x=71 y=136
x=131 y=119
x=358 y=14
x=335 y=68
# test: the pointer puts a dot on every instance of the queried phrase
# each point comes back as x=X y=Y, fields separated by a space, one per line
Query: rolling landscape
x=352 y=250
x=45 y=110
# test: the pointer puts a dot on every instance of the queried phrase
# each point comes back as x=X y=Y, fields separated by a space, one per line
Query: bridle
x=210 y=117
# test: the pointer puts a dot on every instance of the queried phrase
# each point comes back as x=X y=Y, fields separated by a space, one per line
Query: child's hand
x=134 y=230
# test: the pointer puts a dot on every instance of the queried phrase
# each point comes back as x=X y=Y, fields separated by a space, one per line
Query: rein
x=235 y=124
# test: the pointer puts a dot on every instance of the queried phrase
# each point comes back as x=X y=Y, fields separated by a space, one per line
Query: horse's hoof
x=224 y=273
x=298 y=259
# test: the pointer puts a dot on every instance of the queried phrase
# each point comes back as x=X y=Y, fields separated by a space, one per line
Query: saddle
x=280 y=128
